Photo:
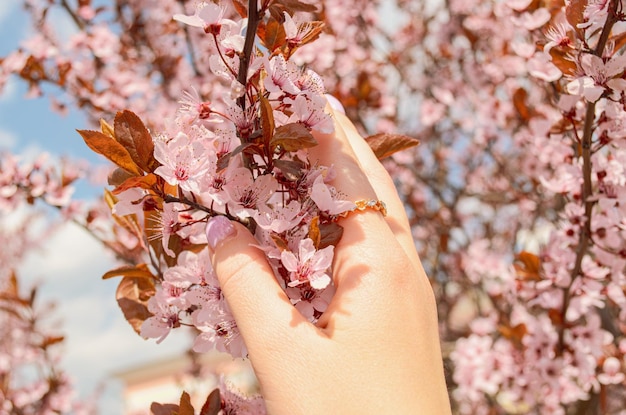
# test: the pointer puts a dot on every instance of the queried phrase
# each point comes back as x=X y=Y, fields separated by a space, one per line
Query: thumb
x=261 y=309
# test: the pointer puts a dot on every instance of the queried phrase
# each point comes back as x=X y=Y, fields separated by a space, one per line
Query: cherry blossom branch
x=75 y=18
x=584 y=239
x=244 y=59
x=192 y=52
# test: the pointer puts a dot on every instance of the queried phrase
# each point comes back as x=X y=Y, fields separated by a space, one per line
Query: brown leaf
x=292 y=137
x=136 y=271
x=132 y=296
x=106 y=128
x=297 y=6
x=314 y=232
x=562 y=61
x=519 y=101
x=241 y=8
x=330 y=234
x=213 y=403
x=12 y=288
x=135 y=137
x=111 y=149
x=276 y=12
x=619 y=41
x=281 y=243
x=291 y=169
x=142 y=182
x=556 y=316
x=163 y=409
x=574 y=13
x=118 y=176
x=222 y=162
x=51 y=340
x=315 y=29
x=528 y=266
x=515 y=334
x=274 y=36
x=267 y=119
x=384 y=144
x=185 y=406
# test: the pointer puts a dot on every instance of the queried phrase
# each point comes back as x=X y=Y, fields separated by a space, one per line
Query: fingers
x=383 y=185
x=362 y=231
x=250 y=288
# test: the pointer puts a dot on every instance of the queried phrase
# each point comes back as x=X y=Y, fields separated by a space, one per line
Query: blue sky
x=99 y=341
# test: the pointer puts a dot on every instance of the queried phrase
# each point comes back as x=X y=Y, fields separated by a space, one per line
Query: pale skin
x=376 y=348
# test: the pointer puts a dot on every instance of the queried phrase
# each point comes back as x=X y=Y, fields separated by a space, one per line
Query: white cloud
x=99 y=342
x=9 y=91
x=7 y=139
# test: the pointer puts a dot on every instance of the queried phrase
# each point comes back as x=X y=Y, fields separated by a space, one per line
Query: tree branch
x=244 y=58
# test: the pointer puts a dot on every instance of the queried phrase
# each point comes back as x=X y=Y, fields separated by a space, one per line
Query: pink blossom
x=558 y=36
x=611 y=372
x=165 y=225
x=281 y=75
x=310 y=112
x=310 y=302
x=222 y=335
x=309 y=265
x=184 y=161
x=327 y=199
x=165 y=317
x=597 y=76
x=278 y=218
x=129 y=202
x=541 y=67
x=248 y=194
x=208 y=16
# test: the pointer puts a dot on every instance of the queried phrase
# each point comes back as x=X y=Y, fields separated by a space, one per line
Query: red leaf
x=142 y=182
x=267 y=119
x=163 y=409
x=132 y=297
x=118 y=176
x=297 y=6
x=274 y=36
x=515 y=334
x=134 y=136
x=384 y=144
x=314 y=30
x=51 y=340
x=519 y=101
x=185 y=406
x=213 y=403
x=291 y=169
x=314 y=232
x=330 y=234
x=12 y=287
x=528 y=266
x=293 y=137
x=111 y=149
x=240 y=8
x=574 y=13
x=136 y=271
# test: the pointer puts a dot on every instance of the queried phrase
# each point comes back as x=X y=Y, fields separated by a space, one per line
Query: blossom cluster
x=515 y=196
x=244 y=157
x=551 y=334
x=32 y=381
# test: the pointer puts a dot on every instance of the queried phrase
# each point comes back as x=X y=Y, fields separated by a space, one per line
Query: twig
x=244 y=58
x=587 y=188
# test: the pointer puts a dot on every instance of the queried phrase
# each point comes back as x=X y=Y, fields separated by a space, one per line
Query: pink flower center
x=181 y=173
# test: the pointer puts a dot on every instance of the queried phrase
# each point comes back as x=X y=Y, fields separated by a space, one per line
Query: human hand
x=376 y=347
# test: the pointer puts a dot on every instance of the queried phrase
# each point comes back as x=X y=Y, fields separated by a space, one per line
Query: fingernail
x=218 y=228
x=335 y=104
